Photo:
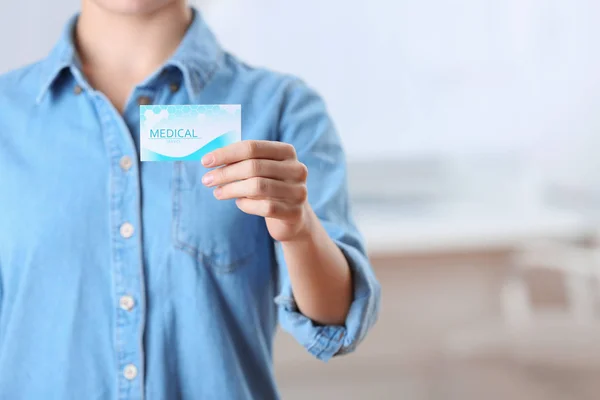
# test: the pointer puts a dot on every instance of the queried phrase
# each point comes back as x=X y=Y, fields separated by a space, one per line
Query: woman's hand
x=265 y=178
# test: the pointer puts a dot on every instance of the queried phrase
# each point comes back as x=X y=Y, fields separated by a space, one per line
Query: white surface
x=454 y=229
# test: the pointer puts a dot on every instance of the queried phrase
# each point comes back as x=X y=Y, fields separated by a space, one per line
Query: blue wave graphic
x=221 y=141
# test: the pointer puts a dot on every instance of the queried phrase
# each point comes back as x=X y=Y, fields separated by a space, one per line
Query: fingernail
x=208 y=160
x=217 y=192
x=207 y=179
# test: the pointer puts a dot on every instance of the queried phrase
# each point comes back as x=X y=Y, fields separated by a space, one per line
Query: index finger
x=249 y=149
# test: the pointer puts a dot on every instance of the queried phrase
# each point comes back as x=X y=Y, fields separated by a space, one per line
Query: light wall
x=408 y=77
x=460 y=78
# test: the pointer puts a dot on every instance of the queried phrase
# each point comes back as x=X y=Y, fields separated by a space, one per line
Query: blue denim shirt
x=129 y=280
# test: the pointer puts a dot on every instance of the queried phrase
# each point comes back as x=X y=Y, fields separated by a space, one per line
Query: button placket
x=126 y=215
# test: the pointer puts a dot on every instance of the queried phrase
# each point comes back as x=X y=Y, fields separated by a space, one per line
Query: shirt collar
x=198 y=57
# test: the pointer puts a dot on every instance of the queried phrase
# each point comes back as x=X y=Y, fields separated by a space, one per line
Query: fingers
x=292 y=171
x=263 y=188
x=269 y=208
x=249 y=149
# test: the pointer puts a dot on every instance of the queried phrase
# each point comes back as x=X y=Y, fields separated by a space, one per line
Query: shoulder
x=296 y=109
x=21 y=85
x=19 y=90
x=261 y=79
x=281 y=93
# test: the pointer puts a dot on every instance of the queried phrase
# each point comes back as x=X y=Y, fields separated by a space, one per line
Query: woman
x=129 y=280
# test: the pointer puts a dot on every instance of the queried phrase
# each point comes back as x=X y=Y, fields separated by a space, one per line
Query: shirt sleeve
x=306 y=124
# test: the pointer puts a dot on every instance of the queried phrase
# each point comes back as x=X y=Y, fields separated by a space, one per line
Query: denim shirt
x=128 y=280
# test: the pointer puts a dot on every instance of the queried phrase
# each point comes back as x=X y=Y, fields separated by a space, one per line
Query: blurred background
x=473 y=130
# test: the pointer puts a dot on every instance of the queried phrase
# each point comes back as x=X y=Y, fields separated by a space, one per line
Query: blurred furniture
x=579 y=265
x=443 y=266
x=559 y=342
x=524 y=327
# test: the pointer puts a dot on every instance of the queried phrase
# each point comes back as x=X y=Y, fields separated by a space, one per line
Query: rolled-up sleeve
x=306 y=124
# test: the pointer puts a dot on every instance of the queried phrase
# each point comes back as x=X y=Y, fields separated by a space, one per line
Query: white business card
x=187 y=132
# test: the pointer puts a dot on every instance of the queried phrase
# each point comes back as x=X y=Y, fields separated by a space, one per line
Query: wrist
x=306 y=229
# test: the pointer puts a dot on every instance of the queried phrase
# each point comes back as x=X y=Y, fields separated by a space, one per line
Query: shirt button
x=125 y=163
x=127 y=303
x=144 y=100
x=174 y=87
x=77 y=89
x=126 y=230
x=130 y=372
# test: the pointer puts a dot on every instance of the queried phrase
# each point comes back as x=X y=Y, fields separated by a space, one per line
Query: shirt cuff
x=327 y=341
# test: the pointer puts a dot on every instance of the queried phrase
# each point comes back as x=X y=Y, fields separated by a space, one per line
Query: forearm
x=267 y=179
x=319 y=273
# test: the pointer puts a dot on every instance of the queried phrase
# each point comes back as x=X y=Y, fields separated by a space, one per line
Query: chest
x=71 y=180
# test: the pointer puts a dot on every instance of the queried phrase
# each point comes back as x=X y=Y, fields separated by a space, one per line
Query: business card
x=187 y=132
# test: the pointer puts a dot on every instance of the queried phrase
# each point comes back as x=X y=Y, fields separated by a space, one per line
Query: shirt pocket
x=215 y=232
